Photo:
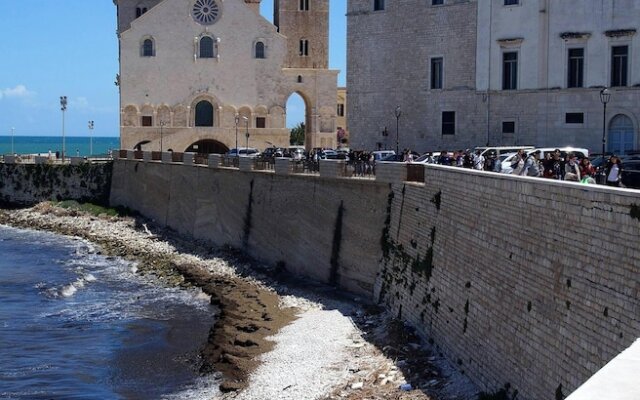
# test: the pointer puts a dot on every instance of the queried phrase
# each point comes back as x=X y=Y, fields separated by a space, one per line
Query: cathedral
x=209 y=75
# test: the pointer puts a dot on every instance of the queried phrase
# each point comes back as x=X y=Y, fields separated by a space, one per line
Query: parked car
x=244 y=151
x=328 y=154
x=499 y=150
x=297 y=152
x=380 y=154
x=631 y=174
x=271 y=153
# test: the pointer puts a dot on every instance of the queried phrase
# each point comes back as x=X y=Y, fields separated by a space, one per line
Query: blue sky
x=69 y=47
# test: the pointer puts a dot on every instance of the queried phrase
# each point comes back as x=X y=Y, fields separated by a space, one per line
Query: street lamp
x=246 y=120
x=63 y=108
x=12 y=151
x=605 y=96
x=90 y=138
x=162 y=124
x=398 y=113
x=237 y=119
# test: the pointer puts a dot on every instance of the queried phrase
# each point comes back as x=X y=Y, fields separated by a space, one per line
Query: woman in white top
x=614 y=171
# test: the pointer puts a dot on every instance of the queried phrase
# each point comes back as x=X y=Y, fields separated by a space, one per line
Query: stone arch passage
x=621 y=134
x=207 y=146
x=298 y=112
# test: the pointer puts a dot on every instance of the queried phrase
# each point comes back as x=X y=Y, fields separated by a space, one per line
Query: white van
x=499 y=150
x=380 y=154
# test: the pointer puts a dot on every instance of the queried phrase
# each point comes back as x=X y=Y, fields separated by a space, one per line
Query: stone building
x=203 y=75
x=341 y=118
x=498 y=72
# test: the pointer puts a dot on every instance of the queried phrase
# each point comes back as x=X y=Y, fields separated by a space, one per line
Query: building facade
x=498 y=72
x=207 y=75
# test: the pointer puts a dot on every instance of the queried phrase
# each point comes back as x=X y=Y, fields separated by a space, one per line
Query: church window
x=340 y=110
x=510 y=71
x=299 y=78
x=619 y=65
x=206 y=47
x=260 y=50
x=436 y=72
x=204 y=114
x=205 y=12
x=304 y=47
x=304 y=5
x=261 y=122
x=378 y=5
x=147 y=120
x=575 y=78
x=147 y=48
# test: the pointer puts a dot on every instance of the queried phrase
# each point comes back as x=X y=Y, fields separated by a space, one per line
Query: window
x=448 y=122
x=206 y=47
x=575 y=78
x=510 y=71
x=140 y=11
x=147 y=120
x=340 y=110
x=304 y=5
x=299 y=78
x=437 y=2
x=261 y=122
x=147 y=48
x=508 y=127
x=619 y=65
x=260 y=50
x=304 y=47
x=378 y=5
x=204 y=114
x=436 y=73
x=574 y=118
x=511 y=2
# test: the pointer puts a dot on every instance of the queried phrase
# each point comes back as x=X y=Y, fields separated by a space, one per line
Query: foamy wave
x=68 y=291
x=203 y=388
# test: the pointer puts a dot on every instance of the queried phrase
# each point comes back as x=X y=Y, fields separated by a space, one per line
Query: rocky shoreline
x=372 y=356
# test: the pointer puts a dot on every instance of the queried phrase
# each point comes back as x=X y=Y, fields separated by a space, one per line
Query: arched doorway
x=621 y=134
x=204 y=114
x=297 y=112
x=207 y=146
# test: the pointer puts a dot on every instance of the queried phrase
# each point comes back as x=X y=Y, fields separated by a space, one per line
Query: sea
x=74 y=145
x=75 y=324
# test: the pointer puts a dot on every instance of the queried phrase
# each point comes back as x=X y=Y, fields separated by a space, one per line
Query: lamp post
x=246 y=120
x=63 y=108
x=605 y=96
x=12 y=151
x=90 y=138
x=398 y=113
x=162 y=124
x=237 y=119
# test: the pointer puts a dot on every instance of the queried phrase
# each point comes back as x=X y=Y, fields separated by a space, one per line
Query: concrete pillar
x=41 y=160
x=76 y=160
x=146 y=156
x=187 y=158
x=131 y=155
x=215 y=160
x=332 y=168
x=284 y=166
x=166 y=157
x=246 y=163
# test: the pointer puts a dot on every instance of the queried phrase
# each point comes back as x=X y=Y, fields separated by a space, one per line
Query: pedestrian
x=49 y=156
x=571 y=168
x=444 y=158
x=517 y=164
x=556 y=166
x=459 y=156
x=478 y=160
x=532 y=164
x=614 y=171
x=467 y=160
x=587 y=171
x=77 y=152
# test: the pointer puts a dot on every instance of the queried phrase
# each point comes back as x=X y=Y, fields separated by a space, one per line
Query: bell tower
x=305 y=23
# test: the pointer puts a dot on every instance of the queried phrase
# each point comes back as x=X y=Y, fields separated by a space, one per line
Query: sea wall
x=26 y=184
x=522 y=282
x=327 y=229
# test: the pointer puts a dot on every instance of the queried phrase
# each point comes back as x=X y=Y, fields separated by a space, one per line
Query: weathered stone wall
x=517 y=280
x=524 y=281
x=328 y=229
x=25 y=184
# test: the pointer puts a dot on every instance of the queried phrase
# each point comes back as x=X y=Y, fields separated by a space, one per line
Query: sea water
x=82 y=146
x=78 y=325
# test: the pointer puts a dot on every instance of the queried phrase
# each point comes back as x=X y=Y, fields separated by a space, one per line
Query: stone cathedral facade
x=203 y=75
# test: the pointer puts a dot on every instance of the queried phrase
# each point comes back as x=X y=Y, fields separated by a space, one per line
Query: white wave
x=203 y=388
x=90 y=278
x=68 y=290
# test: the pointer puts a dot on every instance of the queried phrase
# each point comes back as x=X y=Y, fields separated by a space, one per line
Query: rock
x=357 y=385
x=406 y=387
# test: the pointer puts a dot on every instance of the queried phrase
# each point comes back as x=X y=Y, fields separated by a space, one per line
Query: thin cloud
x=20 y=91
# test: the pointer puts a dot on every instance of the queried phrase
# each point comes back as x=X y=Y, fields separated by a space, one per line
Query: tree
x=297 y=135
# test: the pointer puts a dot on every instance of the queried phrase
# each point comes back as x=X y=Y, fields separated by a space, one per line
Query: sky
x=69 y=48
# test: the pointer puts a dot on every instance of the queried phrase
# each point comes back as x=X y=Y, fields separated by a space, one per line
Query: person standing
x=532 y=164
x=478 y=161
x=587 y=171
x=571 y=168
x=517 y=165
x=614 y=171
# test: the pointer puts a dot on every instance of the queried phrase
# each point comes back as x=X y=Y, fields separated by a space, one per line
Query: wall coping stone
x=167 y=157
x=284 y=166
x=215 y=160
x=246 y=163
x=187 y=158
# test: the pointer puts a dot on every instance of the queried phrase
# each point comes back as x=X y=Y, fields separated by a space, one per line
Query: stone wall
x=328 y=229
x=520 y=281
x=25 y=184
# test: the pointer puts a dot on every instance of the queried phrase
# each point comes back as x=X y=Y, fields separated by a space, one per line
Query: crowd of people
x=551 y=166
